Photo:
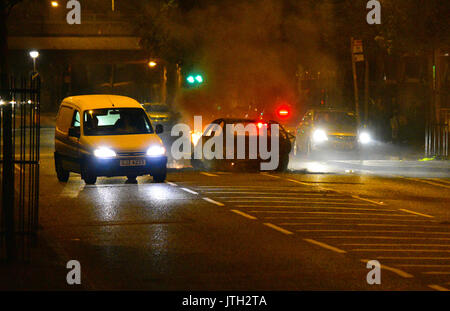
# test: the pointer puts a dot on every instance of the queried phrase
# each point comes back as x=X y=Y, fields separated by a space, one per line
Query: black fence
x=436 y=141
x=19 y=165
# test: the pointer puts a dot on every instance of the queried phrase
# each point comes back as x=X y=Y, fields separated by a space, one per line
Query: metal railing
x=19 y=165
x=436 y=141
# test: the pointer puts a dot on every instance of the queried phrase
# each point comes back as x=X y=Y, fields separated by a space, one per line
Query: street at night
x=297 y=230
x=225 y=155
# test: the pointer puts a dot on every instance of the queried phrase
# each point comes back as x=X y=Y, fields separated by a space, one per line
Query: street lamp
x=152 y=64
x=55 y=4
x=34 y=55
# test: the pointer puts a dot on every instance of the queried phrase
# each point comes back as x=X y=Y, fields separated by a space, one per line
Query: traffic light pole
x=355 y=81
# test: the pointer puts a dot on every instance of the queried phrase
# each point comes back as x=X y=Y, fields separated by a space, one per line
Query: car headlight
x=104 y=152
x=364 y=138
x=156 y=150
x=319 y=136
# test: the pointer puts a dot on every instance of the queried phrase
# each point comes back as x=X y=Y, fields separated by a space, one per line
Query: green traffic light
x=199 y=79
x=190 y=79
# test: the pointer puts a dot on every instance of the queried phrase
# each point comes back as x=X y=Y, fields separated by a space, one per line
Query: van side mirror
x=159 y=129
x=74 y=132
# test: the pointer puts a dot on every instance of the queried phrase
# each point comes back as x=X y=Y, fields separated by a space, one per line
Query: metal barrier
x=436 y=141
x=19 y=165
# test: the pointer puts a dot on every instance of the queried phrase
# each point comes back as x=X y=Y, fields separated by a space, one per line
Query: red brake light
x=283 y=112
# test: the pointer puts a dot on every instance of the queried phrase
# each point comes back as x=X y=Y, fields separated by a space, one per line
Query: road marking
x=171 y=184
x=401 y=250
x=384 y=237
x=268 y=175
x=440 y=179
x=324 y=245
x=424 y=266
x=213 y=202
x=277 y=228
x=413 y=258
x=301 y=183
x=438 y=288
x=368 y=200
x=429 y=182
x=333 y=213
x=302 y=194
x=436 y=272
x=209 y=174
x=189 y=190
x=398 y=231
x=307 y=202
x=394 y=270
x=336 y=191
x=343 y=218
x=411 y=212
x=243 y=214
x=396 y=244
x=317 y=200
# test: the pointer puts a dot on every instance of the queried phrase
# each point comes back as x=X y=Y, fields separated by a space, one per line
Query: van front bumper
x=118 y=167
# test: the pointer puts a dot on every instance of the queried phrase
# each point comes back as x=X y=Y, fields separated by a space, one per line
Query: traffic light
x=194 y=79
x=283 y=112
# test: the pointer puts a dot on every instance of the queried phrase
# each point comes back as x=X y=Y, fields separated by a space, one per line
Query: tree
x=5 y=8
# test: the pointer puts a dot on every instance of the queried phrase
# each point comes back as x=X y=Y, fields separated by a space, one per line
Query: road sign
x=358 y=58
x=357 y=46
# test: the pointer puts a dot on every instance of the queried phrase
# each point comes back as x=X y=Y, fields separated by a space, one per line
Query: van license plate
x=132 y=162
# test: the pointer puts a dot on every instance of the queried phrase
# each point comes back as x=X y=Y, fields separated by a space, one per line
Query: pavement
x=311 y=228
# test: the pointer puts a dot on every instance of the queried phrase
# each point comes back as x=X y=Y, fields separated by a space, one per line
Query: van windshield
x=116 y=121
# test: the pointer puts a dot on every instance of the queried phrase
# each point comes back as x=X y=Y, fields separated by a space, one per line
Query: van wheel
x=87 y=176
x=160 y=177
x=61 y=174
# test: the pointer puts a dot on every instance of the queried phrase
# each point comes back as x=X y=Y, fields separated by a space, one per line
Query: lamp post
x=34 y=54
x=153 y=64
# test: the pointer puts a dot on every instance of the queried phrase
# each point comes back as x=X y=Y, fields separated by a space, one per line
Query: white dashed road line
x=324 y=245
x=213 y=201
x=243 y=214
x=394 y=270
x=415 y=213
x=209 y=174
x=189 y=190
x=279 y=229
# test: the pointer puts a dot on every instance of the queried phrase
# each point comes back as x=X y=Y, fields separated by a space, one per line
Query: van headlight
x=364 y=138
x=156 y=150
x=319 y=136
x=104 y=152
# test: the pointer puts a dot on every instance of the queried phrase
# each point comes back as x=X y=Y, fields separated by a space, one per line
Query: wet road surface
x=300 y=230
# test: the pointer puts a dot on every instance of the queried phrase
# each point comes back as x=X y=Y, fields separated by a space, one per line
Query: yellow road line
x=415 y=213
x=394 y=270
x=277 y=228
x=243 y=214
x=324 y=245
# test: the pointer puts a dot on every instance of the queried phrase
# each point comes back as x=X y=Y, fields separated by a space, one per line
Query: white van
x=107 y=135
